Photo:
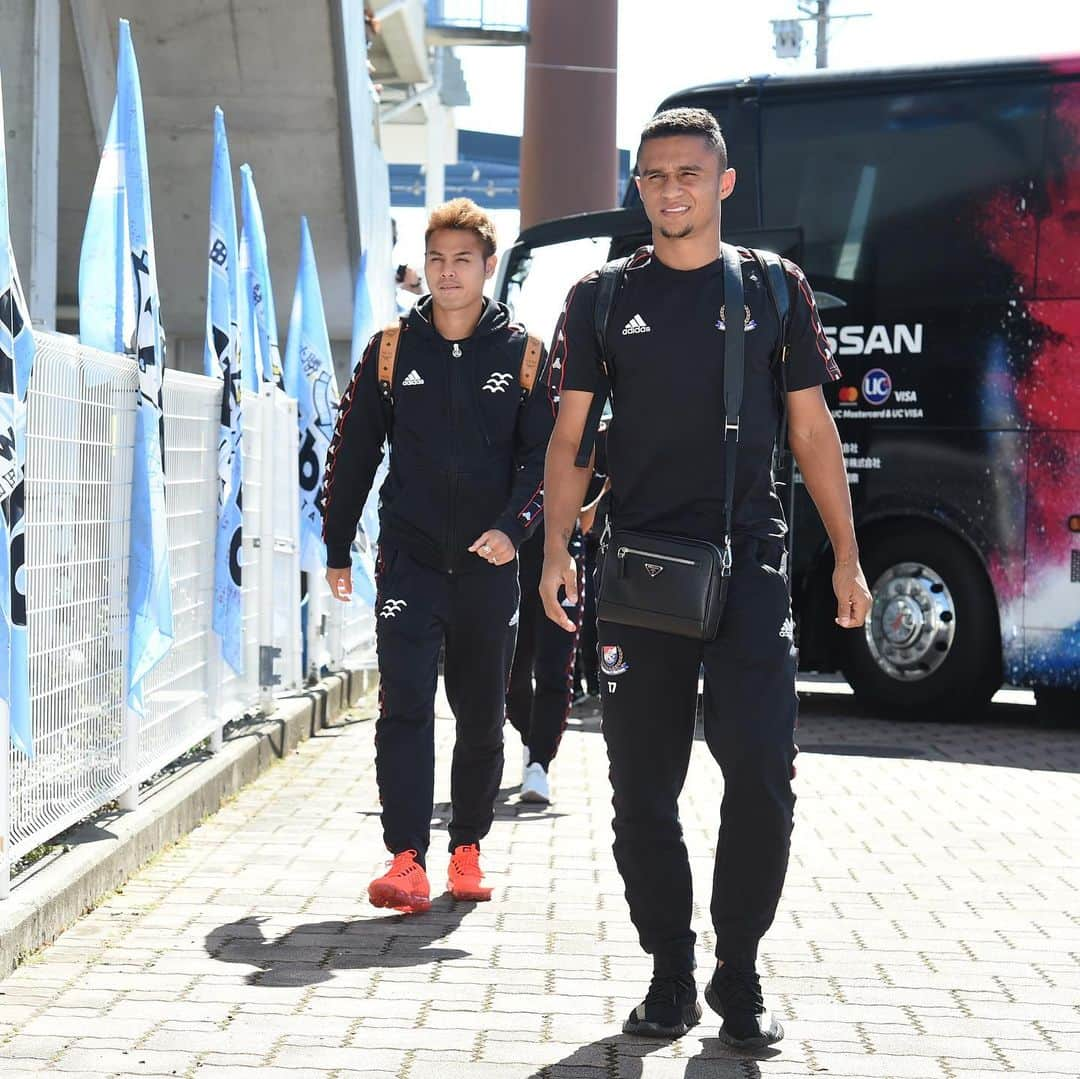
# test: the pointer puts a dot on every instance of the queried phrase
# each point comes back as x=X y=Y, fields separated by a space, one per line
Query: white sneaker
x=534 y=785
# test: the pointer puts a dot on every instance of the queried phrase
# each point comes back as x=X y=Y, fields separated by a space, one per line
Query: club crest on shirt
x=749 y=322
x=612 y=661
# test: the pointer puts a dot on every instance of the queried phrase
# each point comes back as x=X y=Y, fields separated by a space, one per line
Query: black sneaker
x=669 y=1010
x=734 y=993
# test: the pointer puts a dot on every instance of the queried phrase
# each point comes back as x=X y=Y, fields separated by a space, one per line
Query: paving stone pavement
x=930 y=927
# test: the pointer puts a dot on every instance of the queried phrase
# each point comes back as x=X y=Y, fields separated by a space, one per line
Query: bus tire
x=932 y=639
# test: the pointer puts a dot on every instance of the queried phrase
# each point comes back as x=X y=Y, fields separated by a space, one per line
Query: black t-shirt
x=666 y=441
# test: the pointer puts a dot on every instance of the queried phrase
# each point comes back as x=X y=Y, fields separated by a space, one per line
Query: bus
x=936 y=212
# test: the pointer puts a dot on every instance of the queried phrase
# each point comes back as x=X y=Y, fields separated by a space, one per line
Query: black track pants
x=418 y=608
x=544 y=655
x=648 y=683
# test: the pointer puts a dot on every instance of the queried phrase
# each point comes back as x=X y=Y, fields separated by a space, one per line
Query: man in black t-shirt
x=665 y=459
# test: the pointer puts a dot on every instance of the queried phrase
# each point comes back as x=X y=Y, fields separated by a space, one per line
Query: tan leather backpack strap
x=388 y=350
x=530 y=363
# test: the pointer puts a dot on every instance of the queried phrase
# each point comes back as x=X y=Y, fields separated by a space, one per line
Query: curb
x=101 y=854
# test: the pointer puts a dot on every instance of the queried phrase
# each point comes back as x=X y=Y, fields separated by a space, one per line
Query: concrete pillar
x=18 y=23
x=435 y=174
x=46 y=150
x=568 y=154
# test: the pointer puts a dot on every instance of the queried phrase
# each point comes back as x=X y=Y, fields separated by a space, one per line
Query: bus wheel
x=932 y=637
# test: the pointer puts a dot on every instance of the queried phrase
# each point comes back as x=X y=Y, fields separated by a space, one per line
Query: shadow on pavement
x=310 y=954
x=507 y=807
x=622 y=1056
x=1004 y=734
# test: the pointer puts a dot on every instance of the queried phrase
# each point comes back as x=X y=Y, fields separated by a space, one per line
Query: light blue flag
x=363 y=326
x=119 y=311
x=16 y=361
x=223 y=359
x=309 y=377
x=256 y=281
x=248 y=342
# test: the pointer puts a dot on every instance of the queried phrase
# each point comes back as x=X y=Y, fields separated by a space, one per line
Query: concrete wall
x=283 y=72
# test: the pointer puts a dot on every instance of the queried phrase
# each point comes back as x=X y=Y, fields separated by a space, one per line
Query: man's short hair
x=465 y=215
x=698 y=122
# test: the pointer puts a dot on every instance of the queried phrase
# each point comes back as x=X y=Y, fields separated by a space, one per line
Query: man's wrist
x=846 y=554
x=557 y=540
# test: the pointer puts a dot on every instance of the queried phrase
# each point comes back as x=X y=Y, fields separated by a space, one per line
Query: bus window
x=908 y=198
x=538 y=284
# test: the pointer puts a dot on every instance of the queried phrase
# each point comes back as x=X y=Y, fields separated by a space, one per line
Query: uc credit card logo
x=876 y=386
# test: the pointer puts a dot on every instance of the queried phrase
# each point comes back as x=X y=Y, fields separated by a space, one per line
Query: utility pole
x=822 y=19
x=789 y=35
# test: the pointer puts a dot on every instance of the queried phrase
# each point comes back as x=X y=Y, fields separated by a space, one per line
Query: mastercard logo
x=848 y=395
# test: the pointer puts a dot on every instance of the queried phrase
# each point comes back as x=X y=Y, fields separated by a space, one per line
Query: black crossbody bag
x=675 y=584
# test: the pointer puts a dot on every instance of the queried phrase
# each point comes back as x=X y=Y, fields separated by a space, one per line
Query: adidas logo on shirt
x=636 y=325
x=413 y=379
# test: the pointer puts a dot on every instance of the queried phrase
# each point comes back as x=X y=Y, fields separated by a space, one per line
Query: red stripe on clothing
x=344 y=408
x=530 y=501
x=820 y=339
x=579 y=612
x=561 y=350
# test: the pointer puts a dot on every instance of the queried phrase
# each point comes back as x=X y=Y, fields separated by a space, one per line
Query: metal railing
x=88 y=748
x=179 y=687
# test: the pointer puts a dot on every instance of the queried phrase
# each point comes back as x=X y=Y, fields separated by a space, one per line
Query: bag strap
x=389 y=343
x=530 y=364
x=776 y=284
x=734 y=364
x=608 y=285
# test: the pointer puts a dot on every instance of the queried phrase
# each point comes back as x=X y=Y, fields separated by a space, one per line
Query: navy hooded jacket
x=466 y=450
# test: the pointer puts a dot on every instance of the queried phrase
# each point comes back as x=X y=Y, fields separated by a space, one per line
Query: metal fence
x=88 y=747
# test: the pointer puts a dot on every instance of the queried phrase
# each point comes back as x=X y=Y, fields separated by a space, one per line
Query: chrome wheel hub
x=912 y=622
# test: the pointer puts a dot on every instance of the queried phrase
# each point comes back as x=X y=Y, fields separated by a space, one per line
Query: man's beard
x=680 y=235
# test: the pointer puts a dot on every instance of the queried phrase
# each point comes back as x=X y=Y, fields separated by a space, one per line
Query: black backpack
x=607 y=289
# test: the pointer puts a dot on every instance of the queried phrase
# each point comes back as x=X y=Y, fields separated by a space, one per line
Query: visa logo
x=862 y=340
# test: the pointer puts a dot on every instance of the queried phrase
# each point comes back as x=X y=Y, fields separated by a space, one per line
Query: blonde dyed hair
x=465 y=215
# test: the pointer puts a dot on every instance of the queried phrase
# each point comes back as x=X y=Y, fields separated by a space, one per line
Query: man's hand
x=494 y=547
x=560 y=571
x=853 y=599
x=340 y=582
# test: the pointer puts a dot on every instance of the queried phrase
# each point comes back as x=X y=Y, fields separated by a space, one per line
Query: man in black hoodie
x=464 y=489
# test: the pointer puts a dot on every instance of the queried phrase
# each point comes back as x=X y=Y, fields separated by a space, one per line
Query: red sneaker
x=403 y=887
x=464 y=876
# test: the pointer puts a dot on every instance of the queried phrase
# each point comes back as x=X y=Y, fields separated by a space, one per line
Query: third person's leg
x=519 y=697
x=553 y=666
